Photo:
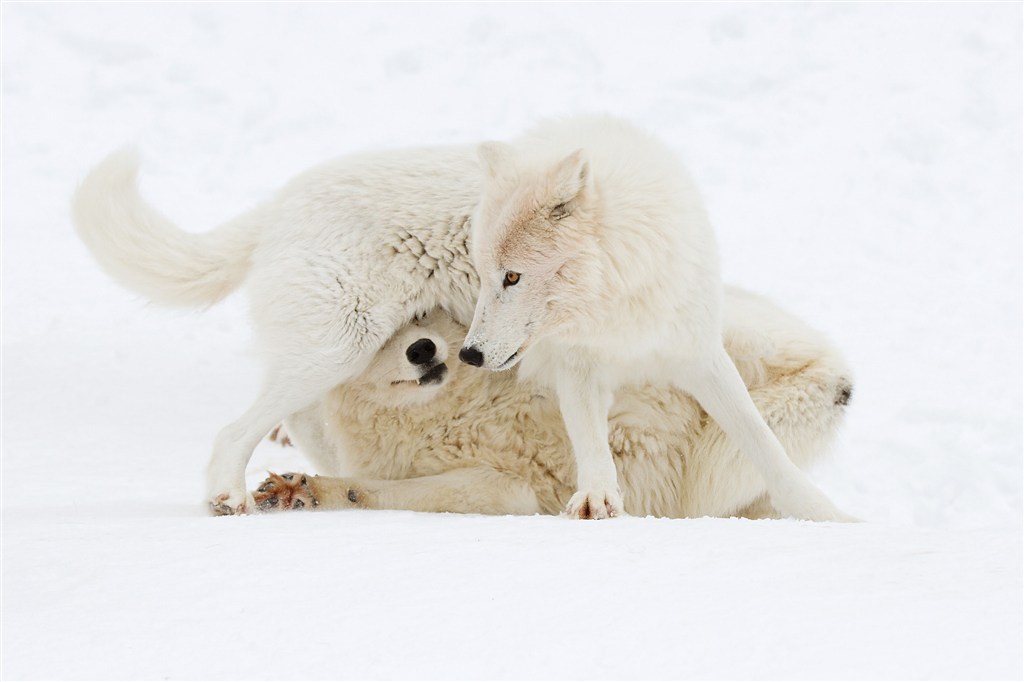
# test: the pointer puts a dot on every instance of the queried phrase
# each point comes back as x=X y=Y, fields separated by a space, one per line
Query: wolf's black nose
x=471 y=356
x=421 y=352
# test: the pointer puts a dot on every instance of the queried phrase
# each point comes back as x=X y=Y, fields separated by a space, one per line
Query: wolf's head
x=533 y=237
x=411 y=367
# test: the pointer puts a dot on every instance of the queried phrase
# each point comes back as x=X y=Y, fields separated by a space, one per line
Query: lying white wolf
x=415 y=432
x=598 y=268
x=619 y=283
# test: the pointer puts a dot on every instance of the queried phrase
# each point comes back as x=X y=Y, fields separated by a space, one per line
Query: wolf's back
x=147 y=253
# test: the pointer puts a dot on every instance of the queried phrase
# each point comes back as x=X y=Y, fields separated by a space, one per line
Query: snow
x=863 y=166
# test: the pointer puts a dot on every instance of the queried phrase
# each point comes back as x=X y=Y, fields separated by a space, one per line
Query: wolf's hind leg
x=471 y=490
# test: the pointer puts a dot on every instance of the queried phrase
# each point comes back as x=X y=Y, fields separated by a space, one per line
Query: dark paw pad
x=284 y=491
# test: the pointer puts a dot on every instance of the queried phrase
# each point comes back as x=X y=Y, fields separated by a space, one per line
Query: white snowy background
x=862 y=164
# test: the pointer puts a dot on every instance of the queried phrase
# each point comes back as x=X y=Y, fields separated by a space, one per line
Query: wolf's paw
x=821 y=516
x=804 y=501
x=835 y=515
x=598 y=504
x=283 y=492
x=228 y=504
x=280 y=436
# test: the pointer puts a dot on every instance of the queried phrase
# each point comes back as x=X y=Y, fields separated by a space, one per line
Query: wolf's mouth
x=508 y=363
x=434 y=375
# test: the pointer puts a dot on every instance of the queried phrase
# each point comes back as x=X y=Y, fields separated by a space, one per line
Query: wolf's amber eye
x=511 y=279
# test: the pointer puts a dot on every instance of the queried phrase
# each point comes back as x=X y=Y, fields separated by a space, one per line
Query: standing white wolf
x=619 y=281
x=598 y=268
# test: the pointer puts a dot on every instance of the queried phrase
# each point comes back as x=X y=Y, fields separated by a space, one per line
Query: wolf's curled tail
x=147 y=253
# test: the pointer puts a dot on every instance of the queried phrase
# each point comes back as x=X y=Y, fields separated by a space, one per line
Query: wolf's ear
x=496 y=160
x=570 y=176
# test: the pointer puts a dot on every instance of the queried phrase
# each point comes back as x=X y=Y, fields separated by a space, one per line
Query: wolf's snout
x=421 y=352
x=471 y=356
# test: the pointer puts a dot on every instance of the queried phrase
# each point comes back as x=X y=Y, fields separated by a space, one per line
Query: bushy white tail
x=147 y=253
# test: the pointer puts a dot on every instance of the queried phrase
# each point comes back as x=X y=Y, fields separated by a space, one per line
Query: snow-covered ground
x=863 y=166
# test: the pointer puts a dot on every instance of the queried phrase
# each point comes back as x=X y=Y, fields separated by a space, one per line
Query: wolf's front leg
x=716 y=384
x=472 y=490
x=585 y=404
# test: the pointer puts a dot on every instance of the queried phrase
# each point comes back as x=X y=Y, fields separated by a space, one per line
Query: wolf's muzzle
x=472 y=356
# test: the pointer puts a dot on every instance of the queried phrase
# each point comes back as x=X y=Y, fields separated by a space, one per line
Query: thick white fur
x=347 y=253
x=335 y=263
x=617 y=282
x=490 y=443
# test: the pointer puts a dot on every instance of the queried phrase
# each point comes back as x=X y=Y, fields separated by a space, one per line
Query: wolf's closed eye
x=560 y=211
